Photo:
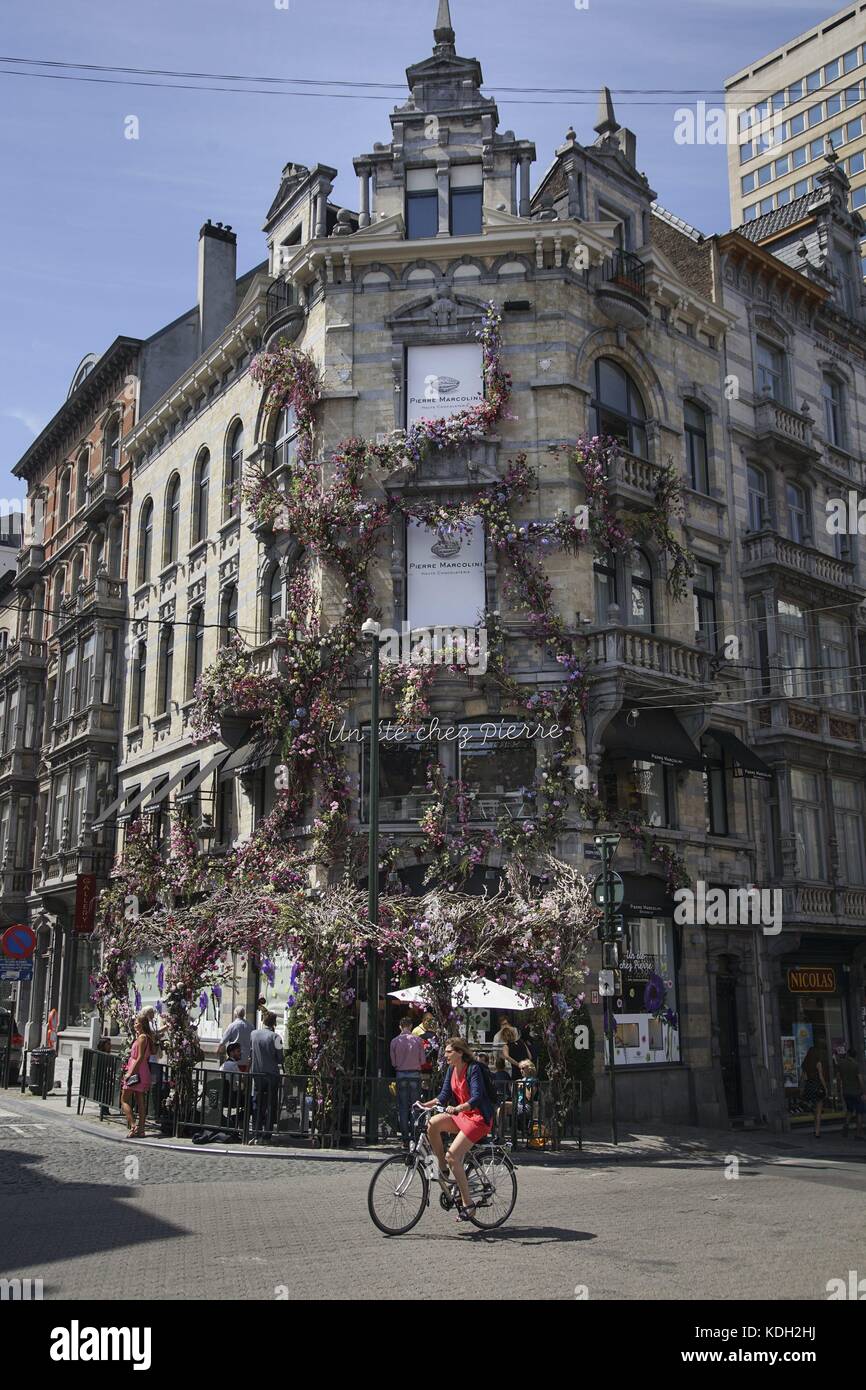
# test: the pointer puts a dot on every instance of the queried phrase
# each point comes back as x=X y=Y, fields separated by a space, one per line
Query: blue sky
x=99 y=232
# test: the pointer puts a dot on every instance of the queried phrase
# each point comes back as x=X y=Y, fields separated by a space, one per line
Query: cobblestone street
x=97 y=1219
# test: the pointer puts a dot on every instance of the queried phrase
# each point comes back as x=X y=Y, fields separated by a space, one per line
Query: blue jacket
x=477 y=1093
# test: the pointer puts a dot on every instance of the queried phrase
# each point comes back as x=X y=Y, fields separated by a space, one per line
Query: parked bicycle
x=400 y=1187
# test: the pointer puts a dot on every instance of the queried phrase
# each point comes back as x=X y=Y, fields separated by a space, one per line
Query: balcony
x=766 y=551
x=839 y=906
x=784 y=434
x=19 y=765
x=284 y=312
x=632 y=481
x=30 y=562
x=649 y=662
x=621 y=290
x=102 y=597
x=102 y=490
x=778 y=717
x=25 y=654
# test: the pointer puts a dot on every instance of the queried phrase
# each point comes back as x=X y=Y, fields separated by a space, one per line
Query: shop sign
x=442 y=381
x=85 y=902
x=445 y=576
x=812 y=979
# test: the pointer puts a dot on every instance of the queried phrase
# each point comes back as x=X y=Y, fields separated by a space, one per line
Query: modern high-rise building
x=793 y=103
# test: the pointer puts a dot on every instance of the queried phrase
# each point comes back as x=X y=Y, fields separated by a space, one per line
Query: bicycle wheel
x=398 y=1194
x=493 y=1186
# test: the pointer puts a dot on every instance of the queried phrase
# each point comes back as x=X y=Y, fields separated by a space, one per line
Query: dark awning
x=249 y=757
x=656 y=735
x=748 y=763
x=125 y=813
x=168 y=786
x=189 y=789
x=646 y=896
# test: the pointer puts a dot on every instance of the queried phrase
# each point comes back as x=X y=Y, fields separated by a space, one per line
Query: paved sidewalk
x=684 y=1145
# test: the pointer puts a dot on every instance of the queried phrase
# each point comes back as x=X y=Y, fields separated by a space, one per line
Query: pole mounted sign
x=18 y=942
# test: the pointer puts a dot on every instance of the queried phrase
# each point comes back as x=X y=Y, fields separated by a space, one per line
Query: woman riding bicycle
x=468 y=1114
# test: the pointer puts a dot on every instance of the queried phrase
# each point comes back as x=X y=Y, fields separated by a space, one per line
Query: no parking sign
x=18 y=942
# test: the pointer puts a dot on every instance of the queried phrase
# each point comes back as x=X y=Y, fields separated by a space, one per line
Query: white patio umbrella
x=471 y=994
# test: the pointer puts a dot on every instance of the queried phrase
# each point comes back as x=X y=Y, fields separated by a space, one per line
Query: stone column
x=443 y=186
x=364 y=196
x=525 y=162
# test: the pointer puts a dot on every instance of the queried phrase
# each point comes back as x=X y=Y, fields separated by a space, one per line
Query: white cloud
x=31 y=422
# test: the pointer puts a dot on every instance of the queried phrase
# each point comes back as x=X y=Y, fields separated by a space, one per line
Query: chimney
x=217 y=273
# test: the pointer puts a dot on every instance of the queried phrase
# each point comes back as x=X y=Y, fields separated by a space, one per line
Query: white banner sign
x=445 y=576
x=441 y=381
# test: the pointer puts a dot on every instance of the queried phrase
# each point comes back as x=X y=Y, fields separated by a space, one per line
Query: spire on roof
x=607 y=123
x=444 y=31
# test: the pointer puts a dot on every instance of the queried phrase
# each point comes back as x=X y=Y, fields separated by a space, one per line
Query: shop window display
x=647 y=1018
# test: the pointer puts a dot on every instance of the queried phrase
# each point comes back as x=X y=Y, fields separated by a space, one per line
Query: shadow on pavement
x=49 y=1220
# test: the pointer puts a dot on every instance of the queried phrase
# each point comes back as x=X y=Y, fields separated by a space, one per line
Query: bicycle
x=399 y=1192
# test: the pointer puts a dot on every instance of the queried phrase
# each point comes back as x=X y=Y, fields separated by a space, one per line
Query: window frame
x=201 y=498
x=700 y=481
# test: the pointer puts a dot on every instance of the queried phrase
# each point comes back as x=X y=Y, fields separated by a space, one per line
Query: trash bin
x=42 y=1061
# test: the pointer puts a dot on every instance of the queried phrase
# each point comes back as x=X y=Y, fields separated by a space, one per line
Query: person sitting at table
x=514 y=1051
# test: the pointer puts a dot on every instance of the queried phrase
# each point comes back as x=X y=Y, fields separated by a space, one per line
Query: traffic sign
x=18 y=942
x=617 y=890
x=16 y=971
x=606 y=983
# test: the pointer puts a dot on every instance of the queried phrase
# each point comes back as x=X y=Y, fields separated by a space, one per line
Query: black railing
x=626 y=271
x=281 y=295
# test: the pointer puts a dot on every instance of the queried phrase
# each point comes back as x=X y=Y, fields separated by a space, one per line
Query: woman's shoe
x=466 y=1213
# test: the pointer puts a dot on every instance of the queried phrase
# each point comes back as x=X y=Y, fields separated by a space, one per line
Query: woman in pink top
x=137 y=1066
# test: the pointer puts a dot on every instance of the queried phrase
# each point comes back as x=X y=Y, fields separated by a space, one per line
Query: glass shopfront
x=813 y=1012
x=646 y=1009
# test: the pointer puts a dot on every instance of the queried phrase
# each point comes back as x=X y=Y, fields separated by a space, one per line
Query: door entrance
x=729 y=1050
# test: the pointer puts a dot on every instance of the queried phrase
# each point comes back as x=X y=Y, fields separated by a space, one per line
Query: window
x=641 y=592
x=31 y=717
x=765 y=173
x=9 y=730
x=704 y=592
x=795 y=91
x=747 y=183
x=852 y=94
x=836 y=137
x=274 y=603
x=145 y=541
x=834 y=105
x=647 y=1028
x=848 y=814
x=851 y=60
x=696 y=446
x=165 y=668
x=767 y=205
x=76 y=808
x=782 y=197
x=77 y=571
x=617 y=408
x=831 y=392
x=777 y=101
x=86 y=670
x=58 y=810
x=402 y=777
x=23 y=854
x=195 y=664
x=832 y=70
x=857 y=162
x=228 y=612
x=108 y=662
x=286 y=438
x=604 y=571
x=746 y=152
x=494 y=767
x=67 y=681
x=816 y=148
x=81 y=480
x=854 y=129
x=422 y=204
x=172 y=522
x=225 y=819
x=759 y=498
x=466 y=210
x=234 y=465
x=139 y=684
x=201 y=498
x=111 y=445
x=795 y=502
x=793 y=658
x=798 y=123
x=715 y=779
x=808 y=831
x=65 y=491
x=771 y=368
x=813 y=81
x=799 y=157
x=648 y=792
x=801 y=188
x=835 y=661
x=750 y=213
x=782 y=166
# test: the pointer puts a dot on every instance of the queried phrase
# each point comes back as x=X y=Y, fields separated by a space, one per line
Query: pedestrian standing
x=853 y=1090
x=266 y=1065
x=814 y=1085
x=137 y=1079
x=238 y=1031
x=407 y=1058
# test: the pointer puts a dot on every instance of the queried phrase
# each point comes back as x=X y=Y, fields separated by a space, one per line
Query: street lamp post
x=608 y=894
x=371 y=1128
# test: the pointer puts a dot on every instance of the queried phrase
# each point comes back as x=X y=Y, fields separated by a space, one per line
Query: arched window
x=24 y=618
x=171 y=534
x=97 y=551
x=695 y=422
x=195 y=658
x=115 y=547
x=234 y=465
x=111 y=444
x=274 y=610
x=604 y=574
x=38 y=618
x=145 y=541
x=286 y=437
x=77 y=571
x=641 y=592
x=834 y=430
x=759 y=498
x=201 y=497
x=165 y=669
x=57 y=598
x=81 y=479
x=65 y=494
x=617 y=408
x=228 y=612
x=139 y=683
